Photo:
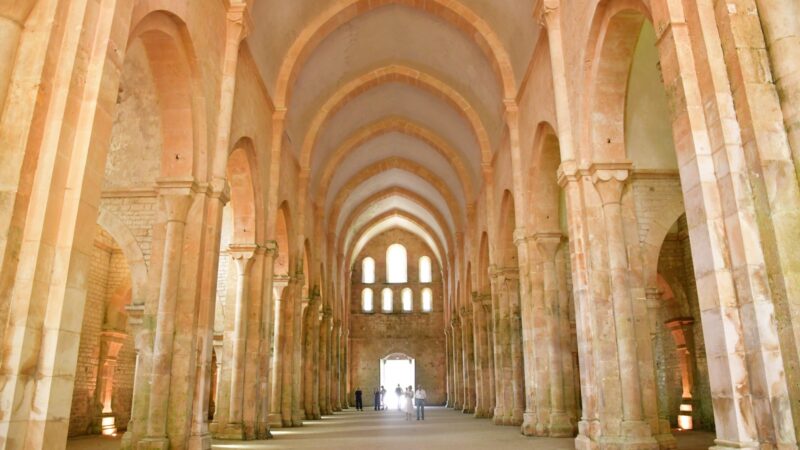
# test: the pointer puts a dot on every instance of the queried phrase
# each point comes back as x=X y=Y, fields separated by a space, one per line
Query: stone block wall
x=417 y=334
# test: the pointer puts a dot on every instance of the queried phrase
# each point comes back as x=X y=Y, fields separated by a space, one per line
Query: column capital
x=519 y=236
x=243 y=255
x=219 y=189
x=504 y=273
x=240 y=21
x=177 y=193
x=609 y=179
x=270 y=248
x=545 y=12
x=547 y=243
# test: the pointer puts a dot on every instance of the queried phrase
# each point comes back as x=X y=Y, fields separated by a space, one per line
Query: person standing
x=419 y=398
x=376 y=397
x=408 y=401
x=398 y=391
x=359 y=399
x=383 y=395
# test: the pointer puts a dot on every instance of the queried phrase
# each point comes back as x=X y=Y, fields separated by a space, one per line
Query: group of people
x=407 y=400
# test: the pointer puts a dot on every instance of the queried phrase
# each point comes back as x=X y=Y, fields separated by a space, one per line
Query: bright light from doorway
x=396 y=369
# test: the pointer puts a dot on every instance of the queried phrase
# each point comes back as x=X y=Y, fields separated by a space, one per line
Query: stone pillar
x=458 y=372
x=309 y=374
x=336 y=366
x=468 y=353
x=663 y=434
x=500 y=352
x=780 y=20
x=280 y=285
x=610 y=184
x=296 y=345
x=488 y=343
x=517 y=361
x=242 y=254
x=481 y=339
x=215 y=380
x=537 y=343
x=560 y=424
x=110 y=345
x=286 y=347
x=177 y=199
x=266 y=335
x=448 y=359
x=325 y=361
x=135 y=427
x=316 y=318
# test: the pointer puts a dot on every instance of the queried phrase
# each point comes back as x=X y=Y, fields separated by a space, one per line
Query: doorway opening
x=396 y=369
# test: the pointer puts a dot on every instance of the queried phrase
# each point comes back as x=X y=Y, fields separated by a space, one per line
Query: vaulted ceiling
x=394 y=107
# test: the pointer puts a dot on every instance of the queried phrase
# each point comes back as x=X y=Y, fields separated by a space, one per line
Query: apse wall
x=417 y=334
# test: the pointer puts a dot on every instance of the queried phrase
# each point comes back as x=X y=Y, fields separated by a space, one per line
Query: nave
x=388 y=430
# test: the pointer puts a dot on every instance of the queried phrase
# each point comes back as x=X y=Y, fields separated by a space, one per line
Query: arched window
x=386 y=300
x=427 y=300
x=366 y=300
x=368 y=270
x=396 y=264
x=425 y=270
x=407 y=298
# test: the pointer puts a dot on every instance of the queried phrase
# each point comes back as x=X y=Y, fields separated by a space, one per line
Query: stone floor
x=388 y=430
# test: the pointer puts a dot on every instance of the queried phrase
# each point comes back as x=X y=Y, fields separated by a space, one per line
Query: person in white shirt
x=419 y=399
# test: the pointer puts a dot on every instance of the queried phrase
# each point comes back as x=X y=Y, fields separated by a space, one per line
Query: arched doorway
x=397 y=369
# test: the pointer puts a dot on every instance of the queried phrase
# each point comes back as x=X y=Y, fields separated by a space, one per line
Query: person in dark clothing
x=377 y=399
x=359 y=400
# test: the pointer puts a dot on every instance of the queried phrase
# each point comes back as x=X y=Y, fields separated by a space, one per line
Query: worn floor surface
x=443 y=429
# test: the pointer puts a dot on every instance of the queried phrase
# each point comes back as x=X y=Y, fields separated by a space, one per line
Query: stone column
x=537 y=343
x=281 y=285
x=610 y=182
x=316 y=411
x=499 y=349
x=336 y=366
x=242 y=254
x=309 y=374
x=488 y=343
x=266 y=335
x=780 y=20
x=296 y=346
x=458 y=372
x=468 y=353
x=177 y=198
x=448 y=359
x=480 y=356
x=325 y=361
x=110 y=345
x=517 y=361
x=559 y=423
x=653 y=298
x=214 y=426
x=135 y=428
x=286 y=347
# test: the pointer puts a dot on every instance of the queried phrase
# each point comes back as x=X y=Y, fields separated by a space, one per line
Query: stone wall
x=375 y=335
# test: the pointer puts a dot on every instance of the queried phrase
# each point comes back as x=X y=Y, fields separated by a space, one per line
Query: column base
x=482 y=413
x=516 y=418
x=529 y=425
x=200 y=442
x=232 y=432
x=275 y=420
x=497 y=416
x=468 y=410
x=153 y=443
x=561 y=425
x=721 y=444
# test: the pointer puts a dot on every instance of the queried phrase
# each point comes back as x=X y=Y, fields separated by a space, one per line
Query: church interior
x=569 y=221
